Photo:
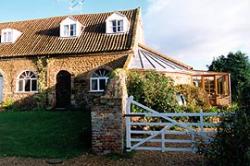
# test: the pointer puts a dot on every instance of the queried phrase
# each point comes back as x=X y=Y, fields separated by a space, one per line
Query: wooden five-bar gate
x=148 y=129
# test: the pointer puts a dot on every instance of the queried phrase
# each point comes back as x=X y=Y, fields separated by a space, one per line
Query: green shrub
x=231 y=145
x=196 y=98
x=153 y=90
x=40 y=100
x=9 y=105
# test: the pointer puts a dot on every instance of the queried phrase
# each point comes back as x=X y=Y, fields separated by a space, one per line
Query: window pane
x=120 y=25
x=120 y=22
x=20 y=85
x=73 y=30
x=27 y=86
x=102 y=84
x=94 y=85
x=209 y=85
x=9 y=36
x=114 y=23
x=66 y=30
x=114 y=26
x=34 y=85
x=120 y=29
x=114 y=29
x=5 y=36
x=220 y=86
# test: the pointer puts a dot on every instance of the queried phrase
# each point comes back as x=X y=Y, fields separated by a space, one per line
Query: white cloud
x=195 y=31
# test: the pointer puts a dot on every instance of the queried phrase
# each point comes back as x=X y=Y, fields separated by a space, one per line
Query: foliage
x=245 y=95
x=196 y=98
x=9 y=105
x=231 y=145
x=239 y=66
x=41 y=63
x=44 y=134
x=154 y=90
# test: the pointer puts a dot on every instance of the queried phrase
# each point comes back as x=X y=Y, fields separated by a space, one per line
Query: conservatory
x=216 y=84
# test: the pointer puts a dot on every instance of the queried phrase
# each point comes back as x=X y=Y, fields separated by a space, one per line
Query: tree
x=231 y=145
x=239 y=66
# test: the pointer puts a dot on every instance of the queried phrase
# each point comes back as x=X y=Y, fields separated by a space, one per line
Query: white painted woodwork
x=10 y=35
x=117 y=16
x=139 y=139
x=69 y=21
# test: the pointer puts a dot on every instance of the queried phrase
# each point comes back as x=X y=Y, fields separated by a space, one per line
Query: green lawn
x=44 y=134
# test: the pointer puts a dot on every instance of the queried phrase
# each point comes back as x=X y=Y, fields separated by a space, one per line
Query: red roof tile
x=41 y=36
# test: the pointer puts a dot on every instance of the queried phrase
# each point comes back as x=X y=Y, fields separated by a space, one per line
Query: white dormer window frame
x=117 y=26
x=70 y=28
x=9 y=35
x=117 y=23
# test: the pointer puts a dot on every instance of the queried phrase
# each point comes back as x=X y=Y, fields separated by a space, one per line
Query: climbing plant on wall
x=41 y=98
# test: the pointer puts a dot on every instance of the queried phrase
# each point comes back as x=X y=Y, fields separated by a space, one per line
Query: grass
x=44 y=134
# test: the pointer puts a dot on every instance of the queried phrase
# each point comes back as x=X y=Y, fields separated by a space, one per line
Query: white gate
x=165 y=131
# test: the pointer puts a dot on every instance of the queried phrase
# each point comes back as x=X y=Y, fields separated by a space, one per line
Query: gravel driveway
x=139 y=159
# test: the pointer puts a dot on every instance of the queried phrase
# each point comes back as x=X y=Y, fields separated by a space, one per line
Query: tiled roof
x=41 y=36
x=148 y=59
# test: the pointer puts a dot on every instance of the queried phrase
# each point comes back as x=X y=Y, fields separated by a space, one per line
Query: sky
x=192 y=31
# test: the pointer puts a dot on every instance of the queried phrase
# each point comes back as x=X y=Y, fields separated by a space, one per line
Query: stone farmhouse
x=69 y=59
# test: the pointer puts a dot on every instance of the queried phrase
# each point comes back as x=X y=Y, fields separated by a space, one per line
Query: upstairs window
x=70 y=30
x=27 y=82
x=7 y=37
x=117 y=23
x=99 y=80
x=117 y=26
x=70 y=27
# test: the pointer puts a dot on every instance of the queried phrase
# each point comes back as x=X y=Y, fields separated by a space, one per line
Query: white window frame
x=7 y=36
x=24 y=79
x=119 y=25
x=70 y=29
x=98 y=79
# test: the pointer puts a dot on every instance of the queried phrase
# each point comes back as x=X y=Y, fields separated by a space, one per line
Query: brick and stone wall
x=81 y=69
x=11 y=69
x=108 y=126
x=79 y=66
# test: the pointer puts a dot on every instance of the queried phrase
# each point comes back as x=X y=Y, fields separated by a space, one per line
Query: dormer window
x=117 y=26
x=117 y=23
x=70 y=30
x=70 y=27
x=9 y=35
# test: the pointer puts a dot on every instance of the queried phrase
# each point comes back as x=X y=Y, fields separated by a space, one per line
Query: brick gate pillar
x=108 y=124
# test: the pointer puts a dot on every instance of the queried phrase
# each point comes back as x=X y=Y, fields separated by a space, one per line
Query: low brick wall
x=108 y=124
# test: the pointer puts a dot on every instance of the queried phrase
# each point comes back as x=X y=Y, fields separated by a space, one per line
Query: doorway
x=63 y=89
